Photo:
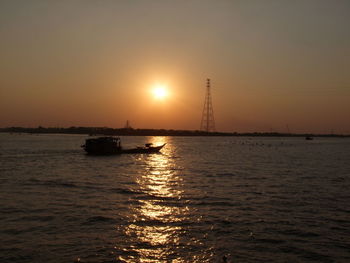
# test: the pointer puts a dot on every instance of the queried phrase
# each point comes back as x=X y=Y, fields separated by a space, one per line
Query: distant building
x=127 y=125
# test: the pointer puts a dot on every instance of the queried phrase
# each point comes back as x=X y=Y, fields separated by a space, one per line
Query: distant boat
x=308 y=138
x=148 y=148
x=112 y=145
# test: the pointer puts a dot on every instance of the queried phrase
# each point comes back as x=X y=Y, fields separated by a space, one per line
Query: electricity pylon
x=208 y=123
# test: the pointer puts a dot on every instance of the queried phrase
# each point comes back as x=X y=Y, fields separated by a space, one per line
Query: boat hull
x=150 y=149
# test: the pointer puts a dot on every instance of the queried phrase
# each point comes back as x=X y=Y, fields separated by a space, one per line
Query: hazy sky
x=93 y=63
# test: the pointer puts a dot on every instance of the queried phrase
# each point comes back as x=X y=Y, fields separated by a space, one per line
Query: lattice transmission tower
x=208 y=123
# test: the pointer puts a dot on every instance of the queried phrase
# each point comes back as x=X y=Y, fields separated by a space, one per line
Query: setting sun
x=160 y=91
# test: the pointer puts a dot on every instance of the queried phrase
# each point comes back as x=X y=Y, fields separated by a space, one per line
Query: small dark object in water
x=308 y=138
x=225 y=259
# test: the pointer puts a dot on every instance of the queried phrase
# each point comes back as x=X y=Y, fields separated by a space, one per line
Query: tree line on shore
x=149 y=132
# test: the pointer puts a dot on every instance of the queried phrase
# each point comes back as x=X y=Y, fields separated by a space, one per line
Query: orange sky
x=93 y=63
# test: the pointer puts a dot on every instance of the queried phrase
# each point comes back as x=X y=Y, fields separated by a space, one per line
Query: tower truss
x=208 y=123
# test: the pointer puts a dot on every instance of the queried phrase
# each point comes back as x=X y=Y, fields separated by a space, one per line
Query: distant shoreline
x=152 y=132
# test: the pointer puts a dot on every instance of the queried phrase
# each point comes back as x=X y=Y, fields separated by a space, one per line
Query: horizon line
x=91 y=130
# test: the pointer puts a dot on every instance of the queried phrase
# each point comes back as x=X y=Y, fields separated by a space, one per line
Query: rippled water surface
x=203 y=198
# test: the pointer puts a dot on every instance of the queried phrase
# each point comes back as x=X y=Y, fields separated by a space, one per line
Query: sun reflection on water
x=156 y=225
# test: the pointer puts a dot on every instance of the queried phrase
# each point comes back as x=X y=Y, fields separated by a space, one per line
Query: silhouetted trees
x=150 y=132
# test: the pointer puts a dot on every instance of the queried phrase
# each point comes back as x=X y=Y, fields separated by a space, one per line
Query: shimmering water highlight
x=250 y=199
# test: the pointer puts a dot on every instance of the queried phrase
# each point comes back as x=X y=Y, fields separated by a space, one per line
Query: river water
x=203 y=198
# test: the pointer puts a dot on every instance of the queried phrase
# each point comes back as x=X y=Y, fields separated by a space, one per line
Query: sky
x=274 y=65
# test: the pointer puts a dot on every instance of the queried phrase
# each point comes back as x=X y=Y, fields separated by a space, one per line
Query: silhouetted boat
x=148 y=148
x=103 y=146
x=308 y=138
x=111 y=145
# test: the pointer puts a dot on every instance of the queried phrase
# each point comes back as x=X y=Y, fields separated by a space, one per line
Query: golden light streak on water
x=162 y=183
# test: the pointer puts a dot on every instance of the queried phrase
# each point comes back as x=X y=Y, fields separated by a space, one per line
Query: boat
x=103 y=146
x=309 y=138
x=148 y=148
x=112 y=145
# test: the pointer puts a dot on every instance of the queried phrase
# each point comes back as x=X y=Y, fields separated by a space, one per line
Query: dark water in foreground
x=252 y=199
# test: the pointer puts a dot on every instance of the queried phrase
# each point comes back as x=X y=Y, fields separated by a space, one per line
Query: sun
x=160 y=91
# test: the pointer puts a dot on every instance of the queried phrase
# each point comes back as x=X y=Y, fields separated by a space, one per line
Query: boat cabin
x=103 y=145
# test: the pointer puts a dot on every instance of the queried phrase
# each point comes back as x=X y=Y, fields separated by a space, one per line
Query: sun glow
x=160 y=91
